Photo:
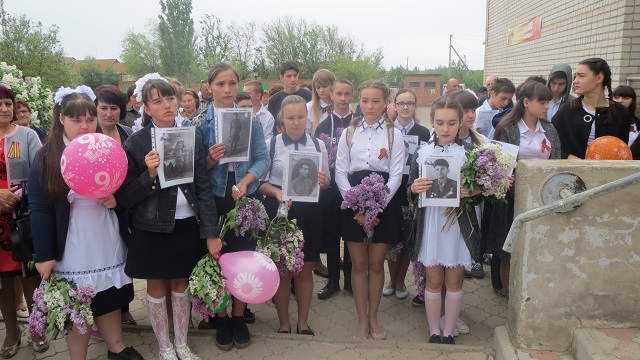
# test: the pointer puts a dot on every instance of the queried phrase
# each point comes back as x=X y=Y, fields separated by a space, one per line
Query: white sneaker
x=462 y=327
x=184 y=353
x=455 y=331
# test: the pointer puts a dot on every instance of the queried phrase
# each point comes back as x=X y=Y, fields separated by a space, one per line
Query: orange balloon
x=608 y=148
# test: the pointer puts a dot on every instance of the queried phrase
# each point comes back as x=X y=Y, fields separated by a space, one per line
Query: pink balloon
x=250 y=276
x=94 y=165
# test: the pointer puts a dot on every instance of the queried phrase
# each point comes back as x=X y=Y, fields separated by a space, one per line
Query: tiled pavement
x=333 y=322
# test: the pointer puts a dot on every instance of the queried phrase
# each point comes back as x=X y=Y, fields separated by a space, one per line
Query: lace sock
x=157 y=309
x=432 y=304
x=180 y=306
x=452 y=307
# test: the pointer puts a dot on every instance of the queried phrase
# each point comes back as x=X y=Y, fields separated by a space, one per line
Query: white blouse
x=311 y=126
x=370 y=151
x=275 y=173
x=533 y=145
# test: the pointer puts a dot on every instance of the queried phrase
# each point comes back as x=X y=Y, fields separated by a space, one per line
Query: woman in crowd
x=23 y=118
x=398 y=256
x=77 y=237
x=443 y=250
x=370 y=144
x=592 y=114
x=526 y=127
x=321 y=104
x=169 y=224
x=293 y=113
x=18 y=147
x=230 y=182
x=111 y=110
x=190 y=104
x=626 y=96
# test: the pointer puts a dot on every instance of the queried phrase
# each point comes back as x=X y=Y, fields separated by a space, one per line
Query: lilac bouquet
x=368 y=198
x=206 y=286
x=488 y=168
x=59 y=305
x=283 y=243
x=332 y=149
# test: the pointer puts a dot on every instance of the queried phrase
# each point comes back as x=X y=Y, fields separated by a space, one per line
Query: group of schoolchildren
x=172 y=227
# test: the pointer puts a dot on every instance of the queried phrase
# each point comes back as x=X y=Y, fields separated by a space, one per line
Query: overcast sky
x=413 y=29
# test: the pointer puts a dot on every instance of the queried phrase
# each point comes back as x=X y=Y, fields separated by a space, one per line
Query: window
x=414 y=84
x=430 y=84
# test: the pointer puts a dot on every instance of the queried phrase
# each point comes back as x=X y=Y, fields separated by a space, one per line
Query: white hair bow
x=142 y=81
x=64 y=91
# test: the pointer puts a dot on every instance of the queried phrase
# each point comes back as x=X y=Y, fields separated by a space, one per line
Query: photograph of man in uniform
x=443 y=187
x=304 y=177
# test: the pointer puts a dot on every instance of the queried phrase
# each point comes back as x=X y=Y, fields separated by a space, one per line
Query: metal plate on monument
x=560 y=186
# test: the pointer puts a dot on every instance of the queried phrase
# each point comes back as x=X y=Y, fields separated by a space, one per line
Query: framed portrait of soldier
x=411 y=143
x=176 y=148
x=300 y=174
x=234 y=131
x=444 y=172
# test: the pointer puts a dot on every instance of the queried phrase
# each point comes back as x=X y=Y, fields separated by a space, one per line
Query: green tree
x=34 y=50
x=242 y=41
x=140 y=52
x=90 y=74
x=364 y=67
x=177 y=38
x=213 y=45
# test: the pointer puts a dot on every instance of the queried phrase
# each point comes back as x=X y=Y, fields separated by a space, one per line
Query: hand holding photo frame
x=176 y=147
x=233 y=129
x=300 y=176
x=444 y=171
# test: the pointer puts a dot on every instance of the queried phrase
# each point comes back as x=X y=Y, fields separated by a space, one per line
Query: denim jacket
x=258 y=158
x=154 y=208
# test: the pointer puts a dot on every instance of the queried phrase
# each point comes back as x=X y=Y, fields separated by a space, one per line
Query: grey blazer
x=511 y=135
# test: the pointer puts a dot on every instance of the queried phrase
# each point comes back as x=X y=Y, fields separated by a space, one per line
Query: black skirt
x=309 y=220
x=388 y=231
x=155 y=255
x=111 y=299
x=330 y=200
x=234 y=243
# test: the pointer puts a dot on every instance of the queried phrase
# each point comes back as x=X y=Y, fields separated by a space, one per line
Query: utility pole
x=407 y=59
x=3 y=19
x=449 y=69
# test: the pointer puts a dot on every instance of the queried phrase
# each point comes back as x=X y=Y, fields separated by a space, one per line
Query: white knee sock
x=157 y=309
x=180 y=306
x=452 y=307
x=432 y=304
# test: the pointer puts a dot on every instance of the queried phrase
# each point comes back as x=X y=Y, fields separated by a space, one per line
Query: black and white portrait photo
x=234 y=131
x=444 y=172
x=301 y=176
x=176 y=147
x=411 y=143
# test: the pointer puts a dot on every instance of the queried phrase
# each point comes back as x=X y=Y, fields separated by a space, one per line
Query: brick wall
x=426 y=86
x=572 y=30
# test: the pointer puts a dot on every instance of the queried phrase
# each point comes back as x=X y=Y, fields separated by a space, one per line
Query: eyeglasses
x=407 y=104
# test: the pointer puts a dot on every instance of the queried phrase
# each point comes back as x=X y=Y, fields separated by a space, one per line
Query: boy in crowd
x=559 y=79
x=339 y=118
x=289 y=77
x=243 y=100
x=501 y=92
x=256 y=92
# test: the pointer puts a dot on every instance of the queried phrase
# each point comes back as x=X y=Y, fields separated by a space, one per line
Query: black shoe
x=307 y=331
x=240 y=332
x=435 y=339
x=448 y=340
x=321 y=274
x=207 y=324
x=328 y=290
x=477 y=271
x=249 y=317
x=224 y=339
x=467 y=274
x=416 y=301
x=129 y=353
x=347 y=285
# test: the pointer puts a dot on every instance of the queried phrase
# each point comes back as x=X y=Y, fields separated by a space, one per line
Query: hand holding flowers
x=367 y=200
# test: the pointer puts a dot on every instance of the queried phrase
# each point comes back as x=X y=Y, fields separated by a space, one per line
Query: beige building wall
x=572 y=30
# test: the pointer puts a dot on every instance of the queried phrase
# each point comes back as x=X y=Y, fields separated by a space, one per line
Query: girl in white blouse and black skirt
x=371 y=144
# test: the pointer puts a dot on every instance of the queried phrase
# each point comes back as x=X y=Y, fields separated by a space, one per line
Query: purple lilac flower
x=251 y=216
x=37 y=323
x=78 y=321
x=326 y=139
x=200 y=308
x=368 y=198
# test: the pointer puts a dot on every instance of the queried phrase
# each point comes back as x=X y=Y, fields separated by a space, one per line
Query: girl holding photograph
x=230 y=182
x=443 y=249
x=293 y=113
x=526 y=127
x=77 y=237
x=169 y=224
x=370 y=144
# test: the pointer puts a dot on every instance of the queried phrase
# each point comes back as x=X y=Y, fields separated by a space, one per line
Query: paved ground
x=333 y=321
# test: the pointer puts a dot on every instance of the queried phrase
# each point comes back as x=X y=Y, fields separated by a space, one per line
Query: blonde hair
x=386 y=93
x=289 y=100
x=322 y=77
